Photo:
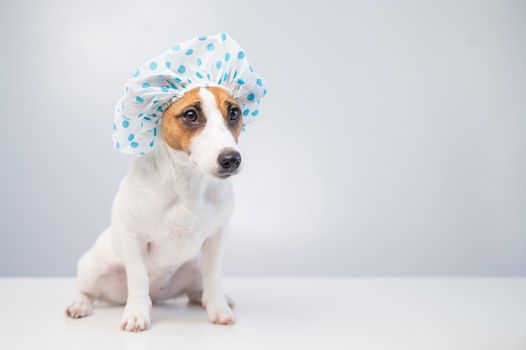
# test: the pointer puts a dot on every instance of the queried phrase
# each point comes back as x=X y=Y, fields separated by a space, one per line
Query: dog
x=170 y=216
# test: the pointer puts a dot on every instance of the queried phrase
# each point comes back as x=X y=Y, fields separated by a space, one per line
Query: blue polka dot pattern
x=215 y=60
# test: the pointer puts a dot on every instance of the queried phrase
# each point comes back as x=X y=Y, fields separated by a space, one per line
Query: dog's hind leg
x=194 y=292
x=195 y=295
x=87 y=277
x=92 y=267
x=82 y=306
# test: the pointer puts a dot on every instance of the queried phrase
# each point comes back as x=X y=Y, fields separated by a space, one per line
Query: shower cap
x=216 y=60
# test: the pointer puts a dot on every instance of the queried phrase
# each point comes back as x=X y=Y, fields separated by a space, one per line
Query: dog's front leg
x=136 y=316
x=213 y=297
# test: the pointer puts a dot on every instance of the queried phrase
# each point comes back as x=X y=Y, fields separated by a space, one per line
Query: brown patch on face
x=226 y=103
x=178 y=127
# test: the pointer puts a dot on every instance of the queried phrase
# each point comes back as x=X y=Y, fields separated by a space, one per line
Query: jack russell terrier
x=169 y=218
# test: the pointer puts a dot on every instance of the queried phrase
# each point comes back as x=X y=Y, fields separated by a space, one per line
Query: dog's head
x=205 y=124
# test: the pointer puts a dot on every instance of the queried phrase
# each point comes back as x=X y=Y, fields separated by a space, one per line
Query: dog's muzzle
x=229 y=161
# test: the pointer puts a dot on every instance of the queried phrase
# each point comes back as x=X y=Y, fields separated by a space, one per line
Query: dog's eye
x=234 y=113
x=190 y=115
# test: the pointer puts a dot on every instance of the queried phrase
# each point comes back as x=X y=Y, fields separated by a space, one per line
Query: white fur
x=166 y=236
x=214 y=138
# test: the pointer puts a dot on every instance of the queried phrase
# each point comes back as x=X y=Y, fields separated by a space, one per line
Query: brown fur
x=178 y=134
x=223 y=100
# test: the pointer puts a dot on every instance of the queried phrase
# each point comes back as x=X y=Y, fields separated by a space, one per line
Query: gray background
x=392 y=141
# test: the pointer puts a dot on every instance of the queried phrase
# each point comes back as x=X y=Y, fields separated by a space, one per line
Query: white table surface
x=285 y=313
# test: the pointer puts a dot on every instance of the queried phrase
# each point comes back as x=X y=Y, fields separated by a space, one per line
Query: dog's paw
x=220 y=313
x=133 y=321
x=79 y=308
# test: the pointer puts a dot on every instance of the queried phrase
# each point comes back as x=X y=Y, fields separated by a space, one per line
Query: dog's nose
x=229 y=160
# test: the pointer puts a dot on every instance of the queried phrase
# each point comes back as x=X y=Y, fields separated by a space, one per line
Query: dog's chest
x=184 y=225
